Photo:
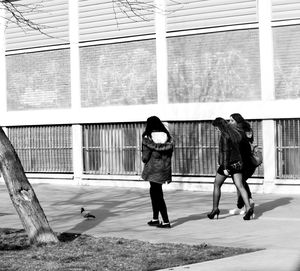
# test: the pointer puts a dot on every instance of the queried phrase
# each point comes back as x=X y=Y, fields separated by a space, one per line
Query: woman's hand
x=226 y=172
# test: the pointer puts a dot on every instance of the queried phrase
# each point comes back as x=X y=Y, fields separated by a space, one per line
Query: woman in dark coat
x=157 y=149
x=245 y=129
x=230 y=164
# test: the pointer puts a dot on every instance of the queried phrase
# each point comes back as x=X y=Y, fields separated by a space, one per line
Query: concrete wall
x=179 y=66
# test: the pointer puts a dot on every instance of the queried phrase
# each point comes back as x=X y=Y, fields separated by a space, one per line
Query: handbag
x=256 y=156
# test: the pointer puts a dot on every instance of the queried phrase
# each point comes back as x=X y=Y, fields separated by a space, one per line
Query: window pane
x=43 y=148
x=288 y=149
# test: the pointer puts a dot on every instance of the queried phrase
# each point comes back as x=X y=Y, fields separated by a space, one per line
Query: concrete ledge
x=201 y=184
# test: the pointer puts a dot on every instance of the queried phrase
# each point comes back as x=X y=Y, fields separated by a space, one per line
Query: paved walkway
x=123 y=212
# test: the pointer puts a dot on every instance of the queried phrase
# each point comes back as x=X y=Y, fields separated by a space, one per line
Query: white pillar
x=77 y=152
x=267 y=91
x=161 y=54
x=3 y=86
x=75 y=87
x=266 y=49
x=74 y=54
x=269 y=155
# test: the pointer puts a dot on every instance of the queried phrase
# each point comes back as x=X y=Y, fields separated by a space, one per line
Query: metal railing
x=196 y=147
x=115 y=149
x=43 y=148
x=112 y=148
x=288 y=149
x=256 y=126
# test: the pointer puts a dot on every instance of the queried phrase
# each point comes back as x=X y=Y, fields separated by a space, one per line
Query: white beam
x=74 y=54
x=3 y=85
x=161 y=53
x=266 y=49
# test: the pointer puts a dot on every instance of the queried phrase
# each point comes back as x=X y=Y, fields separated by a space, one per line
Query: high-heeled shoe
x=214 y=212
x=249 y=214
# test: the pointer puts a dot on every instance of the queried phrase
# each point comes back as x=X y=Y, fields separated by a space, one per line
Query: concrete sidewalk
x=124 y=212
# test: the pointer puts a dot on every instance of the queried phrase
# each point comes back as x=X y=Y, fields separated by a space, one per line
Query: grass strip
x=84 y=252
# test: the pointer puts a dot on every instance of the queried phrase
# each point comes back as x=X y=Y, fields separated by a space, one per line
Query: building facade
x=74 y=98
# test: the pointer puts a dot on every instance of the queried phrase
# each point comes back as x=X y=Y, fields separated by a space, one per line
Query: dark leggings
x=158 y=202
x=247 y=173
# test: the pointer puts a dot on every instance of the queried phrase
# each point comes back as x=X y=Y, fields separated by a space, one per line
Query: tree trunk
x=22 y=195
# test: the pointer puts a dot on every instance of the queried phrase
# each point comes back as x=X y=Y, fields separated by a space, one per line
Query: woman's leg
x=154 y=200
x=238 y=181
x=161 y=205
x=219 y=180
x=240 y=202
x=247 y=173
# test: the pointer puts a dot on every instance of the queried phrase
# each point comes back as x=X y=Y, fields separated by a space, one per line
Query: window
x=288 y=149
x=112 y=148
x=43 y=148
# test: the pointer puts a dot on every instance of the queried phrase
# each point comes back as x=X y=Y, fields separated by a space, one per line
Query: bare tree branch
x=19 y=14
x=137 y=10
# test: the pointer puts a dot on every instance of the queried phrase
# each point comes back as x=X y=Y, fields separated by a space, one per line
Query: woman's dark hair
x=228 y=130
x=241 y=122
x=237 y=117
x=154 y=124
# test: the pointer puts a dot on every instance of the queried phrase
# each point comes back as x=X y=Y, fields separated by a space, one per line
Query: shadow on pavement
x=109 y=206
x=182 y=220
x=259 y=211
x=270 y=205
x=3 y=214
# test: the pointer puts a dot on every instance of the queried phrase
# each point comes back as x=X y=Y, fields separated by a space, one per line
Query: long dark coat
x=157 y=159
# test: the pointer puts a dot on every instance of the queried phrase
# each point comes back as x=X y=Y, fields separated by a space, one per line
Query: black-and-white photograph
x=142 y=135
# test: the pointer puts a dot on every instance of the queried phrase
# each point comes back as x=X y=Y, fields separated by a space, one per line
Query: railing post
x=77 y=152
x=269 y=155
x=75 y=88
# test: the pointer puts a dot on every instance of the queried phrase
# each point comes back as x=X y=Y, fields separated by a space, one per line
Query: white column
x=266 y=49
x=3 y=86
x=77 y=152
x=74 y=54
x=75 y=87
x=161 y=53
x=268 y=91
x=269 y=155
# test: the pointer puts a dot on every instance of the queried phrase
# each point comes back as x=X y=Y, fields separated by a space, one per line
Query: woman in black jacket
x=245 y=129
x=157 y=149
x=230 y=164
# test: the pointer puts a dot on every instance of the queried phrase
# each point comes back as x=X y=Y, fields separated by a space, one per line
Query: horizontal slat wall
x=287 y=61
x=112 y=148
x=288 y=149
x=51 y=16
x=116 y=148
x=214 y=67
x=258 y=141
x=192 y=14
x=196 y=148
x=104 y=20
x=43 y=149
x=285 y=9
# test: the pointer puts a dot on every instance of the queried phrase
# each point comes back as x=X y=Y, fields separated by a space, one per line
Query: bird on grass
x=86 y=214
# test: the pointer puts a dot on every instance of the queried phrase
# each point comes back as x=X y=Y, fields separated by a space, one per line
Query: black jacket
x=157 y=159
x=229 y=152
